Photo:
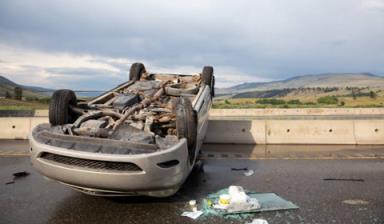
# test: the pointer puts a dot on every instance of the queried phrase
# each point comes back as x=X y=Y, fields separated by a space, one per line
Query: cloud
x=254 y=40
x=86 y=72
x=374 y=4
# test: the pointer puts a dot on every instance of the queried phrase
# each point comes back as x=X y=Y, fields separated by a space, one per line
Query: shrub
x=328 y=100
x=227 y=102
x=31 y=98
x=44 y=100
x=7 y=95
x=372 y=95
x=294 y=102
x=270 y=101
x=18 y=93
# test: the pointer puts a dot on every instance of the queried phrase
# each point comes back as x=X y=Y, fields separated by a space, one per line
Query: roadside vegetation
x=281 y=103
x=17 y=101
x=12 y=104
x=289 y=98
x=305 y=98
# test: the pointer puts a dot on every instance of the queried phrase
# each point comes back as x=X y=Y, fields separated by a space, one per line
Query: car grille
x=91 y=164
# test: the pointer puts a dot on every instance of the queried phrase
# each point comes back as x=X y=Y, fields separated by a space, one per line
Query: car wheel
x=208 y=79
x=137 y=69
x=59 y=107
x=186 y=125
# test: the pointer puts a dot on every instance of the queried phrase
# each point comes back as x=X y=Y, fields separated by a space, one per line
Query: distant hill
x=309 y=81
x=7 y=85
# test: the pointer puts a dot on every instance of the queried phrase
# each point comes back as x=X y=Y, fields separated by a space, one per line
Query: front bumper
x=151 y=179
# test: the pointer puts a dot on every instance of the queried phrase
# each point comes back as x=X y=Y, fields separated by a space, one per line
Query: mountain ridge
x=7 y=85
x=364 y=79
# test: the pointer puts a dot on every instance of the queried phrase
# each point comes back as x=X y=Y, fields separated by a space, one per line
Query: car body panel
x=151 y=180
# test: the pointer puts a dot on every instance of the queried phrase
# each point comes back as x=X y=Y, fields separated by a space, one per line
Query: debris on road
x=249 y=173
x=192 y=215
x=243 y=204
x=344 y=179
x=239 y=201
x=192 y=203
x=239 y=169
x=17 y=175
x=355 y=202
x=20 y=174
x=258 y=221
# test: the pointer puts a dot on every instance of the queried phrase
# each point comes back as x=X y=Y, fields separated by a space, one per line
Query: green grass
x=307 y=102
x=11 y=104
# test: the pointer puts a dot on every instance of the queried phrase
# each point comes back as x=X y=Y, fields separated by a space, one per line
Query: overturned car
x=141 y=138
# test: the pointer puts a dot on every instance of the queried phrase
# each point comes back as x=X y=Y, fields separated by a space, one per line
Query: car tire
x=137 y=69
x=186 y=125
x=59 y=107
x=208 y=79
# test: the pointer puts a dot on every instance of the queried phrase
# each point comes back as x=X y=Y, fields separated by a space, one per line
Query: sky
x=90 y=44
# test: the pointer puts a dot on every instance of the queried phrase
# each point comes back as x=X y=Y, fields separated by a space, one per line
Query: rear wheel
x=208 y=79
x=137 y=69
x=59 y=108
x=186 y=125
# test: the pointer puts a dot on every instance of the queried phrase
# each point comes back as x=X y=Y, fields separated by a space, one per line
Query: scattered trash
x=224 y=199
x=20 y=174
x=355 y=202
x=16 y=176
x=343 y=179
x=192 y=203
x=258 y=221
x=239 y=169
x=239 y=201
x=243 y=203
x=249 y=173
x=192 y=215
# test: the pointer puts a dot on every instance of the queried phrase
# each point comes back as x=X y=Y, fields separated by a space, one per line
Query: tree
x=353 y=94
x=7 y=95
x=372 y=95
x=18 y=93
x=327 y=100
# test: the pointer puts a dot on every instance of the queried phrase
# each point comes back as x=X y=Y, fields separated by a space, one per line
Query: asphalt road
x=32 y=199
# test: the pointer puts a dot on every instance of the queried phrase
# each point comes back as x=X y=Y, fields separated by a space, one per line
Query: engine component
x=125 y=100
x=94 y=124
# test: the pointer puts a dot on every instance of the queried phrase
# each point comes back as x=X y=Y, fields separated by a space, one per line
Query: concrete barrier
x=293 y=132
x=369 y=131
x=18 y=127
x=41 y=113
x=236 y=132
x=310 y=132
x=259 y=131
x=14 y=127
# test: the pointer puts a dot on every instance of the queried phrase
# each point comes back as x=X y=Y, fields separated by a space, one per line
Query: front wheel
x=59 y=108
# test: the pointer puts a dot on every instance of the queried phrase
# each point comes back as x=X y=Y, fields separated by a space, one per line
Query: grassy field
x=11 y=104
x=298 y=102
